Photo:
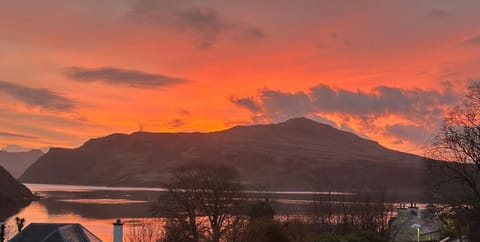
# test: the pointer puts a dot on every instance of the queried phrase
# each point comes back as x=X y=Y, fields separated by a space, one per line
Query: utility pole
x=417 y=227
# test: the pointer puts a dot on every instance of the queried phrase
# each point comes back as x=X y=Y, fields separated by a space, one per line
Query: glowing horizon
x=388 y=71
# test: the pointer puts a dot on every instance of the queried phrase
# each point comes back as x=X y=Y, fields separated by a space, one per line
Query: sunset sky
x=71 y=70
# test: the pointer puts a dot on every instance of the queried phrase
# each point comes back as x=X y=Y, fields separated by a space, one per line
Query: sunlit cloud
x=367 y=111
x=382 y=100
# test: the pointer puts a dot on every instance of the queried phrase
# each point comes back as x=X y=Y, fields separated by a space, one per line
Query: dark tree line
x=348 y=213
x=208 y=203
x=454 y=182
x=202 y=203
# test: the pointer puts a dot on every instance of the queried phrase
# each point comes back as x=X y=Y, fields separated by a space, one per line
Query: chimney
x=413 y=209
x=2 y=230
x=401 y=211
x=118 y=231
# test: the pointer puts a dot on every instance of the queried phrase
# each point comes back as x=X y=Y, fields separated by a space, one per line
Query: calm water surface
x=94 y=207
x=97 y=207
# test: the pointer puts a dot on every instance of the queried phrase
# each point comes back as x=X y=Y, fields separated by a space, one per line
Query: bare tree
x=179 y=205
x=455 y=183
x=202 y=202
x=351 y=211
x=145 y=230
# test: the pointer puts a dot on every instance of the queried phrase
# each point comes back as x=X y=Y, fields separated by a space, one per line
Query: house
x=411 y=224
x=53 y=232
x=64 y=232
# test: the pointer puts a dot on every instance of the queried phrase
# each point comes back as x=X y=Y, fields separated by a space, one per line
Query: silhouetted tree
x=202 y=202
x=145 y=230
x=2 y=231
x=20 y=223
x=358 y=210
x=261 y=210
x=455 y=184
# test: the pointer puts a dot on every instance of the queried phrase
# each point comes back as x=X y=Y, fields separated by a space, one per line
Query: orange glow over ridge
x=240 y=67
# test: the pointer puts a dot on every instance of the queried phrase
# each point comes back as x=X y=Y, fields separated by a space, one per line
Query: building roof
x=401 y=227
x=431 y=226
x=55 y=232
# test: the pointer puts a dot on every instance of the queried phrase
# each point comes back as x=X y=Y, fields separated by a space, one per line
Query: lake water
x=94 y=207
x=97 y=207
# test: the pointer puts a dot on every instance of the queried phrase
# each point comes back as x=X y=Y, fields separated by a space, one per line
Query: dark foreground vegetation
x=208 y=203
x=455 y=184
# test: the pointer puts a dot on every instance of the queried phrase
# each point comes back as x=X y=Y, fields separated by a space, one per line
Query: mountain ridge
x=286 y=155
x=17 y=162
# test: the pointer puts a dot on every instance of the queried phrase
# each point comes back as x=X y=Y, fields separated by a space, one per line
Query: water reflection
x=94 y=207
x=97 y=207
x=99 y=204
x=101 y=201
x=76 y=188
x=36 y=212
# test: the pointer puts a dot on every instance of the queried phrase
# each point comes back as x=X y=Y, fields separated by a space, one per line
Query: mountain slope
x=13 y=195
x=288 y=155
x=17 y=162
x=11 y=190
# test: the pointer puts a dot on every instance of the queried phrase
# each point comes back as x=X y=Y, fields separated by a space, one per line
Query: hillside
x=13 y=194
x=17 y=162
x=11 y=189
x=288 y=155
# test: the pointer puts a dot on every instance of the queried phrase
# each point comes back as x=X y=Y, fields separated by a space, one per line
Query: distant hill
x=17 y=162
x=292 y=155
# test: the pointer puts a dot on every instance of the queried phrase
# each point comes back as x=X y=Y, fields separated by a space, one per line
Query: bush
x=329 y=238
x=275 y=233
x=365 y=236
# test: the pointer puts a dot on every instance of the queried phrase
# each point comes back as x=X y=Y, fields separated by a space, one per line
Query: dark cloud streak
x=413 y=133
x=439 y=14
x=247 y=103
x=37 y=97
x=382 y=100
x=473 y=41
x=204 y=24
x=116 y=76
x=283 y=105
x=15 y=135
